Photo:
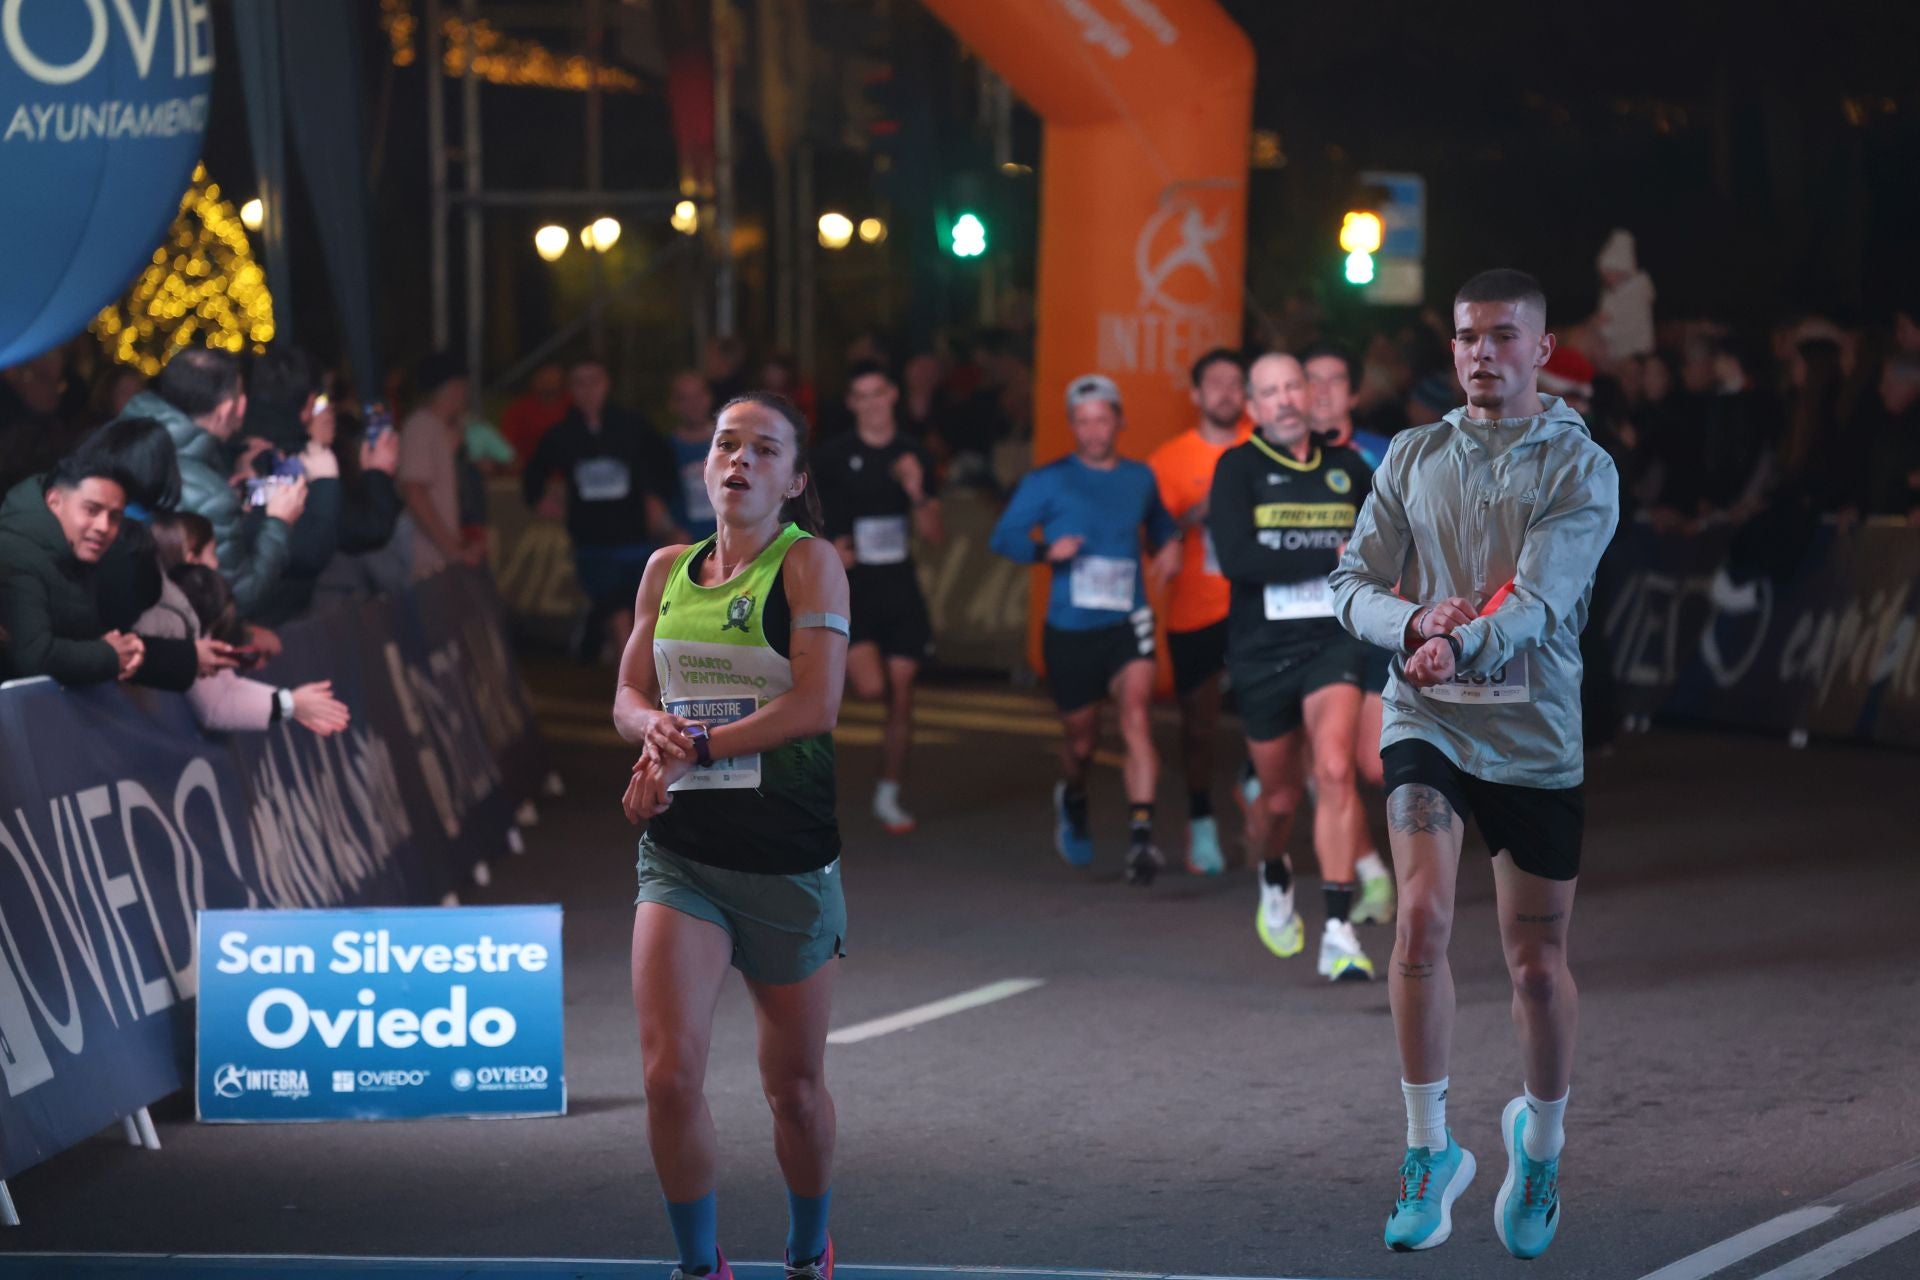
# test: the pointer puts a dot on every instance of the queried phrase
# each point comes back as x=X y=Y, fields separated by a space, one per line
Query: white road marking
x=938 y=1009
x=1850 y=1248
x=1716 y=1258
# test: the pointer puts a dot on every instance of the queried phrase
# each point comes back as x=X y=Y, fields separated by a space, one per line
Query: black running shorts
x=1081 y=665
x=1198 y=656
x=889 y=611
x=1271 y=694
x=1375 y=670
x=1541 y=827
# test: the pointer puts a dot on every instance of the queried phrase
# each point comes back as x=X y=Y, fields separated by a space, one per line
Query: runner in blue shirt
x=1091 y=508
x=690 y=405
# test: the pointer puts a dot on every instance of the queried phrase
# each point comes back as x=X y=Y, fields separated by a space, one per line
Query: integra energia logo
x=231 y=1081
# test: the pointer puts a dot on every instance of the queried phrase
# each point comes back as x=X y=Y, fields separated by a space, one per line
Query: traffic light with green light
x=1361 y=233
x=967 y=236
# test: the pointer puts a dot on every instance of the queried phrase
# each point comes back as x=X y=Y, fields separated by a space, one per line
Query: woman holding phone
x=731 y=686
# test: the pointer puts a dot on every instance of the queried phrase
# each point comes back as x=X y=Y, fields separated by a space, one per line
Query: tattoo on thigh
x=1552 y=918
x=1419 y=810
x=1415 y=971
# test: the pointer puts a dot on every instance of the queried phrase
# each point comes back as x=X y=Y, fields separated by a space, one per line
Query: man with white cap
x=1094 y=509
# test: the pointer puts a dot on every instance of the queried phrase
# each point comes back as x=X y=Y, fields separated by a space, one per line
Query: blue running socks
x=696 y=1231
x=807 y=1225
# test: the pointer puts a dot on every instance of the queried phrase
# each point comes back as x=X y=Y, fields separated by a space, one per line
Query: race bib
x=1509 y=683
x=1287 y=601
x=880 y=540
x=693 y=489
x=734 y=772
x=1212 y=559
x=1104 y=582
x=602 y=480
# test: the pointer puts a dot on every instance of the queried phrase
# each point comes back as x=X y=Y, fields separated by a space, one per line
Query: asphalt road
x=1170 y=1099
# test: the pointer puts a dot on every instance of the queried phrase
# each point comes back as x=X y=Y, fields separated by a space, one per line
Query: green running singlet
x=771 y=812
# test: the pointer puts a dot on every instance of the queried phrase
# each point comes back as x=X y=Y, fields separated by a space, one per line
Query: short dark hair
x=866 y=369
x=1328 y=351
x=144 y=454
x=282 y=375
x=1214 y=357
x=1504 y=284
x=199 y=380
x=82 y=465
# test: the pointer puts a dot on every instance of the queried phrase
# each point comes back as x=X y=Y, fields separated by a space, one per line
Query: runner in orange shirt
x=1198 y=598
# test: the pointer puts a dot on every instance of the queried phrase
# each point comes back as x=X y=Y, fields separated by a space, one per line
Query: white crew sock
x=1545 y=1132
x=885 y=792
x=1426 y=1115
x=1370 y=867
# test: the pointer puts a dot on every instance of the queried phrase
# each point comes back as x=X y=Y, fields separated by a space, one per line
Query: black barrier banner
x=120 y=819
x=1828 y=647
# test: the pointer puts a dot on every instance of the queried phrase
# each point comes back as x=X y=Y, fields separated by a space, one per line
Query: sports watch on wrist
x=702 y=745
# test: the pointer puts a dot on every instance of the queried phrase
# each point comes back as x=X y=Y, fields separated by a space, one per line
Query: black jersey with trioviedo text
x=1278 y=525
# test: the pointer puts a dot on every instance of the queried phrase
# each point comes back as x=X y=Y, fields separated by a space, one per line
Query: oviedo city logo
x=1181 y=308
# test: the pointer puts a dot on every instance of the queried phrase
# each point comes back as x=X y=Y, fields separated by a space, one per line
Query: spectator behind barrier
x=287 y=407
x=201 y=400
x=195 y=603
x=51 y=543
x=535 y=411
x=371 y=559
x=1895 y=470
x=127 y=581
x=429 y=469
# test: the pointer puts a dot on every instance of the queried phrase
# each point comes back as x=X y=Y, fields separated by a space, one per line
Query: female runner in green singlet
x=731 y=686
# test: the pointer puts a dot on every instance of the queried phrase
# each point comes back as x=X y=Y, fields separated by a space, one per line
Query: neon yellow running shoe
x=1376 y=901
x=1278 y=924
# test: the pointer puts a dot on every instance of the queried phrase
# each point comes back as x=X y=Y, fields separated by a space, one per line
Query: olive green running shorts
x=783 y=927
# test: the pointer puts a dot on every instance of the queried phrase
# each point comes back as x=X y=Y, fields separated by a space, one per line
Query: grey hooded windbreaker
x=1461 y=508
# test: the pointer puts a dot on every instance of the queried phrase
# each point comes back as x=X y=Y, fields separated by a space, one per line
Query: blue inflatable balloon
x=103 y=107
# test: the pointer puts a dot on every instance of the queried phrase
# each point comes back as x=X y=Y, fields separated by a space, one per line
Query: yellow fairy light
x=201 y=288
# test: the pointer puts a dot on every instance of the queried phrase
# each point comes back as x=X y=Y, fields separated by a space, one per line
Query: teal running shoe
x=1070 y=838
x=1526 y=1213
x=1203 y=848
x=1429 y=1184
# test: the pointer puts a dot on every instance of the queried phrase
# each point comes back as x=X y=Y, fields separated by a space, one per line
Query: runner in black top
x=1281 y=508
x=877 y=488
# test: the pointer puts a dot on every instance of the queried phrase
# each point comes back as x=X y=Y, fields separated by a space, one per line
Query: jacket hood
x=1497 y=435
x=24 y=515
x=191 y=441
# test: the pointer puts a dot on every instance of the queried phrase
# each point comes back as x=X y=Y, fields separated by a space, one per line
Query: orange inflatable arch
x=1148 y=110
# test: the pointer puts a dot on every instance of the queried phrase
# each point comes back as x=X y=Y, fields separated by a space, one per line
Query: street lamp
x=686 y=217
x=253 y=214
x=600 y=234
x=836 y=230
x=550 y=242
x=872 y=230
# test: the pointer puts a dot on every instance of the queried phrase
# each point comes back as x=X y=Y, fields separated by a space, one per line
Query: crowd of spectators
x=160 y=533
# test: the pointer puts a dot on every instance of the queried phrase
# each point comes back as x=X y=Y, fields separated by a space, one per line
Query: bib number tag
x=880 y=540
x=733 y=773
x=1105 y=583
x=1288 y=601
x=602 y=480
x=1212 y=559
x=1510 y=683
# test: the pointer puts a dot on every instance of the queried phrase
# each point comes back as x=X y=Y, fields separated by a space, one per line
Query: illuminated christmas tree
x=203 y=288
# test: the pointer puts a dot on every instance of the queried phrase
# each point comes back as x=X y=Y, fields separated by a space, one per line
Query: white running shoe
x=1341 y=959
x=886 y=807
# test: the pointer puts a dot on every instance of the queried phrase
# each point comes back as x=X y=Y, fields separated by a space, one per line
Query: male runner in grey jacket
x=1495 y=516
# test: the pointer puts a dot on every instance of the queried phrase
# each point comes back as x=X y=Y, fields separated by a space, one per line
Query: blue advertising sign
x=379 y=1014
x=1399 y=274
x=103 y=107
